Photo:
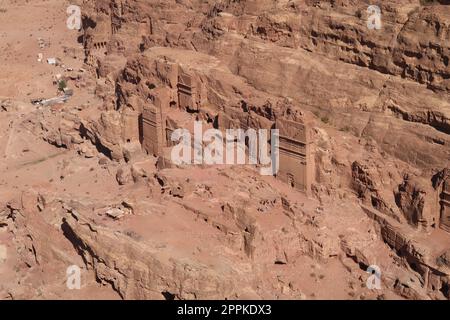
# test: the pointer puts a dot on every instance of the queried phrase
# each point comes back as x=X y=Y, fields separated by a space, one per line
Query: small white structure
x=51 y=61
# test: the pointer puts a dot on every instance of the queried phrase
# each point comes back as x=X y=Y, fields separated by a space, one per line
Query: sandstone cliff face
x=364 y=90
x=376 y=108
x=414 y=198
x=137 y=271
x=259 y=60
x=350 y=93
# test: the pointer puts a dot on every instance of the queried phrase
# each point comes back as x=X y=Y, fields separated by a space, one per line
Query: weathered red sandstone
x=364 y=120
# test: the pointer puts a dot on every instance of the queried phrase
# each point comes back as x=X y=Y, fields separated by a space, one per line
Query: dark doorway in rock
x=291 y=180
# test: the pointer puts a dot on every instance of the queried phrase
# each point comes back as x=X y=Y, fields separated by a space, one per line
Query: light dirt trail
x=10 y=137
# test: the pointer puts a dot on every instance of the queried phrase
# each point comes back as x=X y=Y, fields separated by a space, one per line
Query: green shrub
x=62 y=84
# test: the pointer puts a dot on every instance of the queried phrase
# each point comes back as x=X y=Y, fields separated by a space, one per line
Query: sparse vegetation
x=325 y=119
x=62 y=84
